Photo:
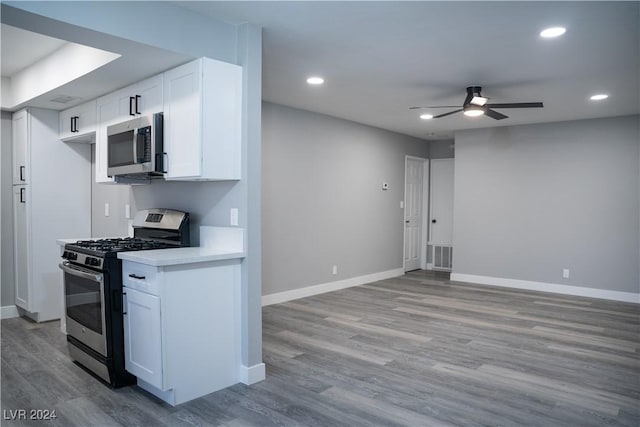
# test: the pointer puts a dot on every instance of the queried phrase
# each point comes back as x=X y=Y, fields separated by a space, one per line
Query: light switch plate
x=106 y=209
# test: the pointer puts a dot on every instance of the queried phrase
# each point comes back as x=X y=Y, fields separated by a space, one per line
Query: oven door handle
x=67 y=268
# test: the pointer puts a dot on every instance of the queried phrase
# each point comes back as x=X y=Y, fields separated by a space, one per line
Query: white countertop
x=163 y=257
x=216 y=244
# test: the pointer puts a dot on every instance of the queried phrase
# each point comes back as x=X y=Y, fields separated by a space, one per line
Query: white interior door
x=441 y=212
x=413 y=213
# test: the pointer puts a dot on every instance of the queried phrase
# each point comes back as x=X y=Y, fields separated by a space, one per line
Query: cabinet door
x=20 y=248
x=126 y=103
x=183 y=120
x=107 y=114
x=78 y=123
x=20 y=131
x=66 y=126
x=149 y=94
x=143 y=336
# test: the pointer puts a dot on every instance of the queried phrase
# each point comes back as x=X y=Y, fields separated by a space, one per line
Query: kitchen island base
x=182 y=322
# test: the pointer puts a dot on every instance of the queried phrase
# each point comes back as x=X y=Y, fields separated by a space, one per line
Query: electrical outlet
x=565 y=273
x=233 y=216
x=334 y=271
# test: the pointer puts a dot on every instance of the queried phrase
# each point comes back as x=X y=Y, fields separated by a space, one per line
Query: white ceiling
x=21 y=48
x=379 y=58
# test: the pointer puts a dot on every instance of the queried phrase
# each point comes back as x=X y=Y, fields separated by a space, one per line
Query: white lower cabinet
x=143 y=336
x=182 y=327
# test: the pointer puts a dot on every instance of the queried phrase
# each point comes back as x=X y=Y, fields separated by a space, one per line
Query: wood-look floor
x=415 y=350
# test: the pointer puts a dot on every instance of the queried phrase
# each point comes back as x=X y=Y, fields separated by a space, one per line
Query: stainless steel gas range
x=93 y=290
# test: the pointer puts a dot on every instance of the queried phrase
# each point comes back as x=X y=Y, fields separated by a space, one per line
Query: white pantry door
x=441 y=203
x=414 y=175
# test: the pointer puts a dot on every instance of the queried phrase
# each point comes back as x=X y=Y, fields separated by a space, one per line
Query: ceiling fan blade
x=494 y=114
x=447 y=114
x=437 y=106
x=517 y=105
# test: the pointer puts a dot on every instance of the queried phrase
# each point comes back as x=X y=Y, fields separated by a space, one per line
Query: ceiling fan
x=476 y=105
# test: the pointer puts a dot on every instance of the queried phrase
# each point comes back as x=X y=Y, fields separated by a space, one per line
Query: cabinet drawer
x=141 y=277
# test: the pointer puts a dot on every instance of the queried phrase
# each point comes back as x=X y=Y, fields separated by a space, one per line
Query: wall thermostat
x=385 y=185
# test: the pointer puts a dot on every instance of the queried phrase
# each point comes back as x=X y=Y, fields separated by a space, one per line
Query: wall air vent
x=442 y=257
x=64 y=99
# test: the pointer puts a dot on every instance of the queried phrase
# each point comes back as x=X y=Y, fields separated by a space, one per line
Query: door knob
x=407 y=221
x=433 y=221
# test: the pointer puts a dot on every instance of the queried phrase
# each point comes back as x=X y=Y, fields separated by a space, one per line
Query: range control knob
x=70 y=255
x=65 y=254
x=91 y=261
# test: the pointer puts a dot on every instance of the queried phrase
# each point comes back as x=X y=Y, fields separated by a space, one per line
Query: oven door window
x=121 y=149
x=84 y=301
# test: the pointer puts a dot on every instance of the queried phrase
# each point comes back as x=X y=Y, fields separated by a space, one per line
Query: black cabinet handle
x=137 y=106
x=74 y=124
x=131 y=99
x=433 y=221
x=22 y=173
x=135 y=276
x=22 y=200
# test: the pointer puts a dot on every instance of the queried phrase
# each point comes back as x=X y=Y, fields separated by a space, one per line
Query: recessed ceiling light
x=552 y=32
x=599 y=97
x=315 y=80
x=426 y=116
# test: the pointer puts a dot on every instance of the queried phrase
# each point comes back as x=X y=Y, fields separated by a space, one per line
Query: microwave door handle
x=135 y=145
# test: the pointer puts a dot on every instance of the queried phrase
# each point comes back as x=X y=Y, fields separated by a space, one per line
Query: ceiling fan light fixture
x=552 y=32
x=472 y=112
x=426 y=116
x=599 y=97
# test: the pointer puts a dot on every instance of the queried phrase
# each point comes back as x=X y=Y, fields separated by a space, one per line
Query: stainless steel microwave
x=135 y=147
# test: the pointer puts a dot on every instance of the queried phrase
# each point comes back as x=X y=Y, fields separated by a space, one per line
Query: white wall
x=323 y=202
x=533 y=200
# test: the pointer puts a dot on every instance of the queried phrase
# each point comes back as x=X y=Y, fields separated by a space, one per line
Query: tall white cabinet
x=52 y=200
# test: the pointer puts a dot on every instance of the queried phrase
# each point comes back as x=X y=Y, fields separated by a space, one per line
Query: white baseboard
x=547 y=287
x=328 y=287
x=9 y=311
x=253 y=374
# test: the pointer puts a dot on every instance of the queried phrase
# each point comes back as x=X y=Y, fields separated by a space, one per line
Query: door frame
x=424 y=238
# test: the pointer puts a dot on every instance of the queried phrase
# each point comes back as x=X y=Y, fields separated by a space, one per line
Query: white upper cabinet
x=142 y=98
x=107 y=112
x=202 y=121
x=78 y=124
x=20 y=137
